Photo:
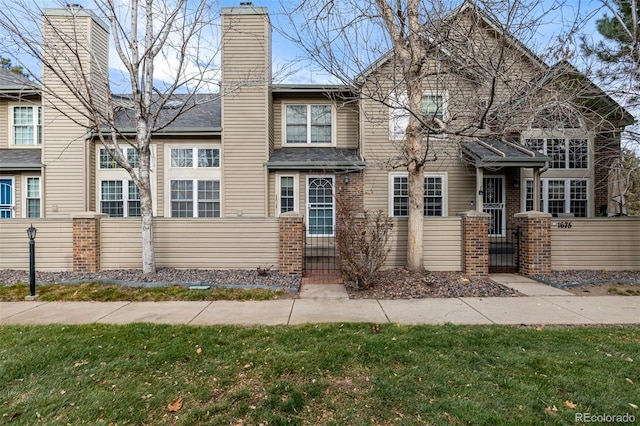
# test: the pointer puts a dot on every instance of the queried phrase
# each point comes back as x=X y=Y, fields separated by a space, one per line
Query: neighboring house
x=265 y=149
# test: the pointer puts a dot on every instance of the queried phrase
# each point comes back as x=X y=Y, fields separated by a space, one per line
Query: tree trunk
x=415 y=257
x=146 y=207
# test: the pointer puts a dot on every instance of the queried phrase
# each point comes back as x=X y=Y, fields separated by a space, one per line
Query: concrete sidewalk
x=321 y=303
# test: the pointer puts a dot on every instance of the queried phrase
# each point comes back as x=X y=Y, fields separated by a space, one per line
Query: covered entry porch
x=498 y=193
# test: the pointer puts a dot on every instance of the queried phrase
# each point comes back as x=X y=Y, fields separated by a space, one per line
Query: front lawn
x=317 y=374
x=99 y=292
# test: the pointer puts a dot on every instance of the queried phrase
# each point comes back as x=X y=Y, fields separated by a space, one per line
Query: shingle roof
x=202 y=113
x=12 y=82
x=315 y=159
x=494 y=153
x=20 y=159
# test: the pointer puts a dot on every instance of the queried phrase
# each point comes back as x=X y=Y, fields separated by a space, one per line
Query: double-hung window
x=27 y=125
x=194 y=181
x=287 y=193
x=434 y=195
x=565 y=153
x=195 y=198
x=107 y=162
x=309 y=124
x=119 y=198
x=32 y=202
x=432 y=111
x=560 y=196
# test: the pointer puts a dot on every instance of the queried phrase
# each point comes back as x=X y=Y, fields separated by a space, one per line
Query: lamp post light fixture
x=31 y=232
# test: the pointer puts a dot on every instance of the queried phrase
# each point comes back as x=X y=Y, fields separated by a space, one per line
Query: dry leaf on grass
x=570 y=404
x=176 y=405
x=199 y=350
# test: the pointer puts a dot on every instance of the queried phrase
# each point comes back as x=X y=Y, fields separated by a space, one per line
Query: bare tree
x=393 y=52
x=159 y=43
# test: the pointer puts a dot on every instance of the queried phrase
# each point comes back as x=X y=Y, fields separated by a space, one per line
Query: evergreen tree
x=6 y=64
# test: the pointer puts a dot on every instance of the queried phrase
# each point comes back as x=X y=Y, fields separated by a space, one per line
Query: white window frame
x=194 y=198
x=566 y=137
x=296 y=206
x=309 y=105
x=25 y=197
x=445 y=192
x=125 y=196
x=193 y=173
x=544 y=190
x=194 y=157
x=38 y=128
x=118 y=173
x=125 y=152
x=398 y=113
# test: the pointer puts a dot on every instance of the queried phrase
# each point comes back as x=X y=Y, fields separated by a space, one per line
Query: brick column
x=291 y=244
x=475 y=242
x=86 y=242
x=534 y=255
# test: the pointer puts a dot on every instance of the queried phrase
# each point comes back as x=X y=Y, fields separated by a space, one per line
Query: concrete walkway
x=319 y=303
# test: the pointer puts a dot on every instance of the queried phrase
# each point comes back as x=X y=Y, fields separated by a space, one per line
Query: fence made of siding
x=599 y=243
x=54 y=244
x=442 y=244
x=193 y=243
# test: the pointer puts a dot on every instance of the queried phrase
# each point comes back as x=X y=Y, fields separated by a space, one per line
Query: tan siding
x=245 y=141
x=54 y=244
x=64 y=152
x=4 y=124
x=442 y=244
x=609 y=244
x=346 y=118
x=196 y=243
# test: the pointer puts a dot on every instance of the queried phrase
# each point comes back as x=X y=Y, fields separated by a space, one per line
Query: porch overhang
x=343 y=159
x=20 y=159
x=492 y=153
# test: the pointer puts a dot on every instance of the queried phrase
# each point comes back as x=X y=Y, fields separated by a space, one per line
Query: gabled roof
x=466 y=6
x=20 y=159
x=187 y=114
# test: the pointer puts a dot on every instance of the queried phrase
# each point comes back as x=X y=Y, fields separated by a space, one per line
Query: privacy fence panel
x=194 y=243
x=597 y=244
x=442 y=244
x=54 y=244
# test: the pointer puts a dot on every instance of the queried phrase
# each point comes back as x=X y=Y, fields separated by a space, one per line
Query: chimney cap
x=246 y=3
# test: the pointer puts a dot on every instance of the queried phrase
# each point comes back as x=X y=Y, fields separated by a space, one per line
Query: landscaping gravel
x=404 y=284
x=163 y=276
x=574 y=278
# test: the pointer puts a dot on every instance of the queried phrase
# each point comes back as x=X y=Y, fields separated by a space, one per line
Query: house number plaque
x=564 y=225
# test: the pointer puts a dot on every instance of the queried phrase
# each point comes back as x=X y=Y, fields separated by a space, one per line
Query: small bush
x=362 y=241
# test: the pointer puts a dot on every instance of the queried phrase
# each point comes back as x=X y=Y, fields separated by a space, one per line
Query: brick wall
x=86 y=242
x=475 y=242
x=535 y=243
x=291 y=244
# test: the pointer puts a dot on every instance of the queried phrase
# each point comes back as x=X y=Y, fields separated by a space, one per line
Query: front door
x=320 y=206
x=6 y=198
x=493 y=203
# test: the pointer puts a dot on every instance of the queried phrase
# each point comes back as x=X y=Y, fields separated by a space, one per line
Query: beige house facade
x=262 y=150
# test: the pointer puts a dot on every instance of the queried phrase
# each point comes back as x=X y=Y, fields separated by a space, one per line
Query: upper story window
x=107 y=162
x=308 y=124
x=565 y=153
x=433 y=115
x=195 y=157
x=27 y=125
x=557 y=131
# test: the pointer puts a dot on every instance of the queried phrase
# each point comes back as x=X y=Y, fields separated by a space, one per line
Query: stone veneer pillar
x=291 y=244
x=86 y=241
x=475 y=242
x=535 y=242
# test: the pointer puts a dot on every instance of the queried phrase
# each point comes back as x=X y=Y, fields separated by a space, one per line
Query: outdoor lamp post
x=31 y=232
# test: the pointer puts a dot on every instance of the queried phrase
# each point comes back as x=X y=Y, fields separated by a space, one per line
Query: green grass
x=97 y=292
x=322 y=374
